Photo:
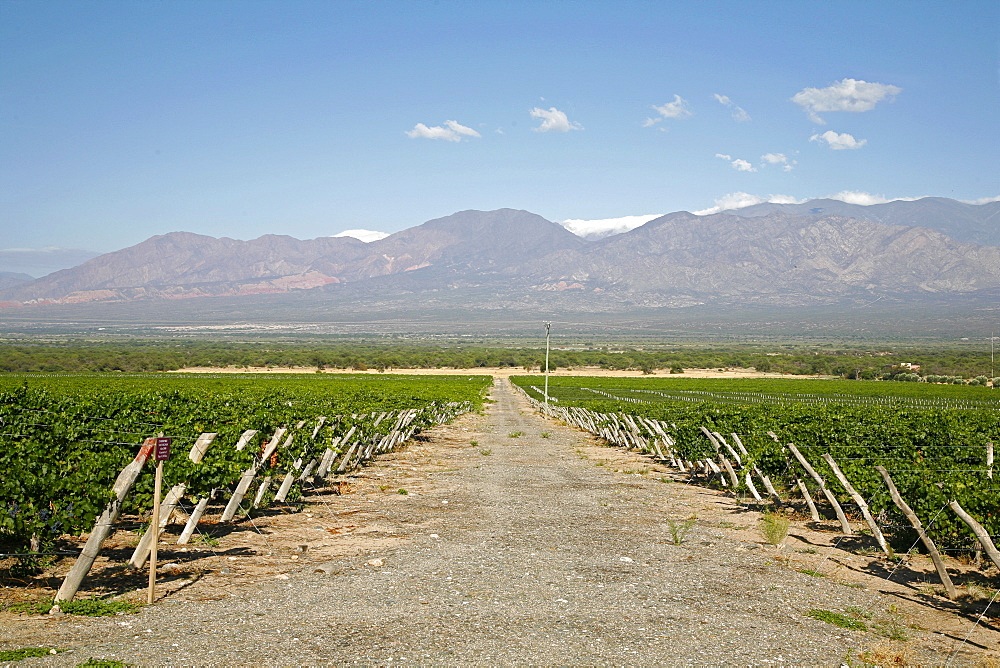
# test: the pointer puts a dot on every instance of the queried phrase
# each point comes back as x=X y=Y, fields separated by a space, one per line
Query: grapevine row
x=933 y=457
x=63 y=452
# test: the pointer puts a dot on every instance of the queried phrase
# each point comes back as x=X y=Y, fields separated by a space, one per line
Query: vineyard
x=911 y=463
x=73 y=448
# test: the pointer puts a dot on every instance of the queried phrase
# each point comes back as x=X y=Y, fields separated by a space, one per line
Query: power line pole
x=548 y=332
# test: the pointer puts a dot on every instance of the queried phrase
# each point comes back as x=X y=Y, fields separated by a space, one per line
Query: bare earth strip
x=519 y=541
x=505 y=372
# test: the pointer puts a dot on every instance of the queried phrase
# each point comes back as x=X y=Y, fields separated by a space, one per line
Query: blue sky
x=121 y=120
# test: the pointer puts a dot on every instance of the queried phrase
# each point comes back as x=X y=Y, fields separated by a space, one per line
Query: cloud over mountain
x=367 y=236
x=739 y=200
x=605 y=227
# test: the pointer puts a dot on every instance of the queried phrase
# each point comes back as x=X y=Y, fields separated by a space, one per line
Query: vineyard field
x=935 y=441
x=65 y=438
x=579 y=390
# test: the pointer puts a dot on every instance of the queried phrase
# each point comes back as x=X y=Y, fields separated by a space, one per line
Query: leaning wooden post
x=799 y=483
x=844 y=524
x=813 y=513
x=858 y=499
x=729 y=469
x=739 y=461
x=197 y=453
x=265 y=484
x=775 y=497
x=753 y=488
x=102 y=528
x=722 y=440
x=169 y=503
x=286 y=483
x=981 y=534
x=249 y=475
x=915 y=521
x=194 y=518
x=144 y=549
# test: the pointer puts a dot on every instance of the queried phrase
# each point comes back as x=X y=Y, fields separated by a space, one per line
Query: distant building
x=903 y=365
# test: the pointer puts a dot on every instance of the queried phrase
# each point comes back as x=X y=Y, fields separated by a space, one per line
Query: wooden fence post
x=858 y=499
x=981 y=534
x=844 y=524
x=249 y=475
x=813 y=513
x=102 y=528
x=729 y=469
x=170 y=502
x=915 y=522
x=196 y=455
x=760 y=474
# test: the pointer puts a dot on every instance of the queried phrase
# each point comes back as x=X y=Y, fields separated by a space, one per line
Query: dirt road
x=509 y=539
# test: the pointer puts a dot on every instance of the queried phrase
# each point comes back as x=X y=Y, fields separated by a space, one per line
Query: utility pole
x=548 y=332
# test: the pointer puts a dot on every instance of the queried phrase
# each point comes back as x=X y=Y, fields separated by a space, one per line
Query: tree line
x=148 y=356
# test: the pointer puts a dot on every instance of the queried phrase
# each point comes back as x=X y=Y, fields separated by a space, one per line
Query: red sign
x=162 y=448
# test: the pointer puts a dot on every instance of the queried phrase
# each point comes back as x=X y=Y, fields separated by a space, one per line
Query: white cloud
x=739 y=164
x=858 y=197
x=739 y=200
x=676 y=109
x=451 y=131
x=739 y=114
x=606 y=227
x=553 y=120
x=981 y=200
x=851 y=95
x=778 y=159
x=363 y=235
x=839 y=142
x=866 y=199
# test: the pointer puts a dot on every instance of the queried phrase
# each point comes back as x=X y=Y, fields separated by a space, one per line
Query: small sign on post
x=162 y=448
x=161 y=454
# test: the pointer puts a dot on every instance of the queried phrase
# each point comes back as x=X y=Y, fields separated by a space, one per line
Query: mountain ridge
x=973 y=223
x=768 y=255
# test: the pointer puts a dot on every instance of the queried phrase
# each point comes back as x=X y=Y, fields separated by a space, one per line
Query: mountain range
x=817 y=252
